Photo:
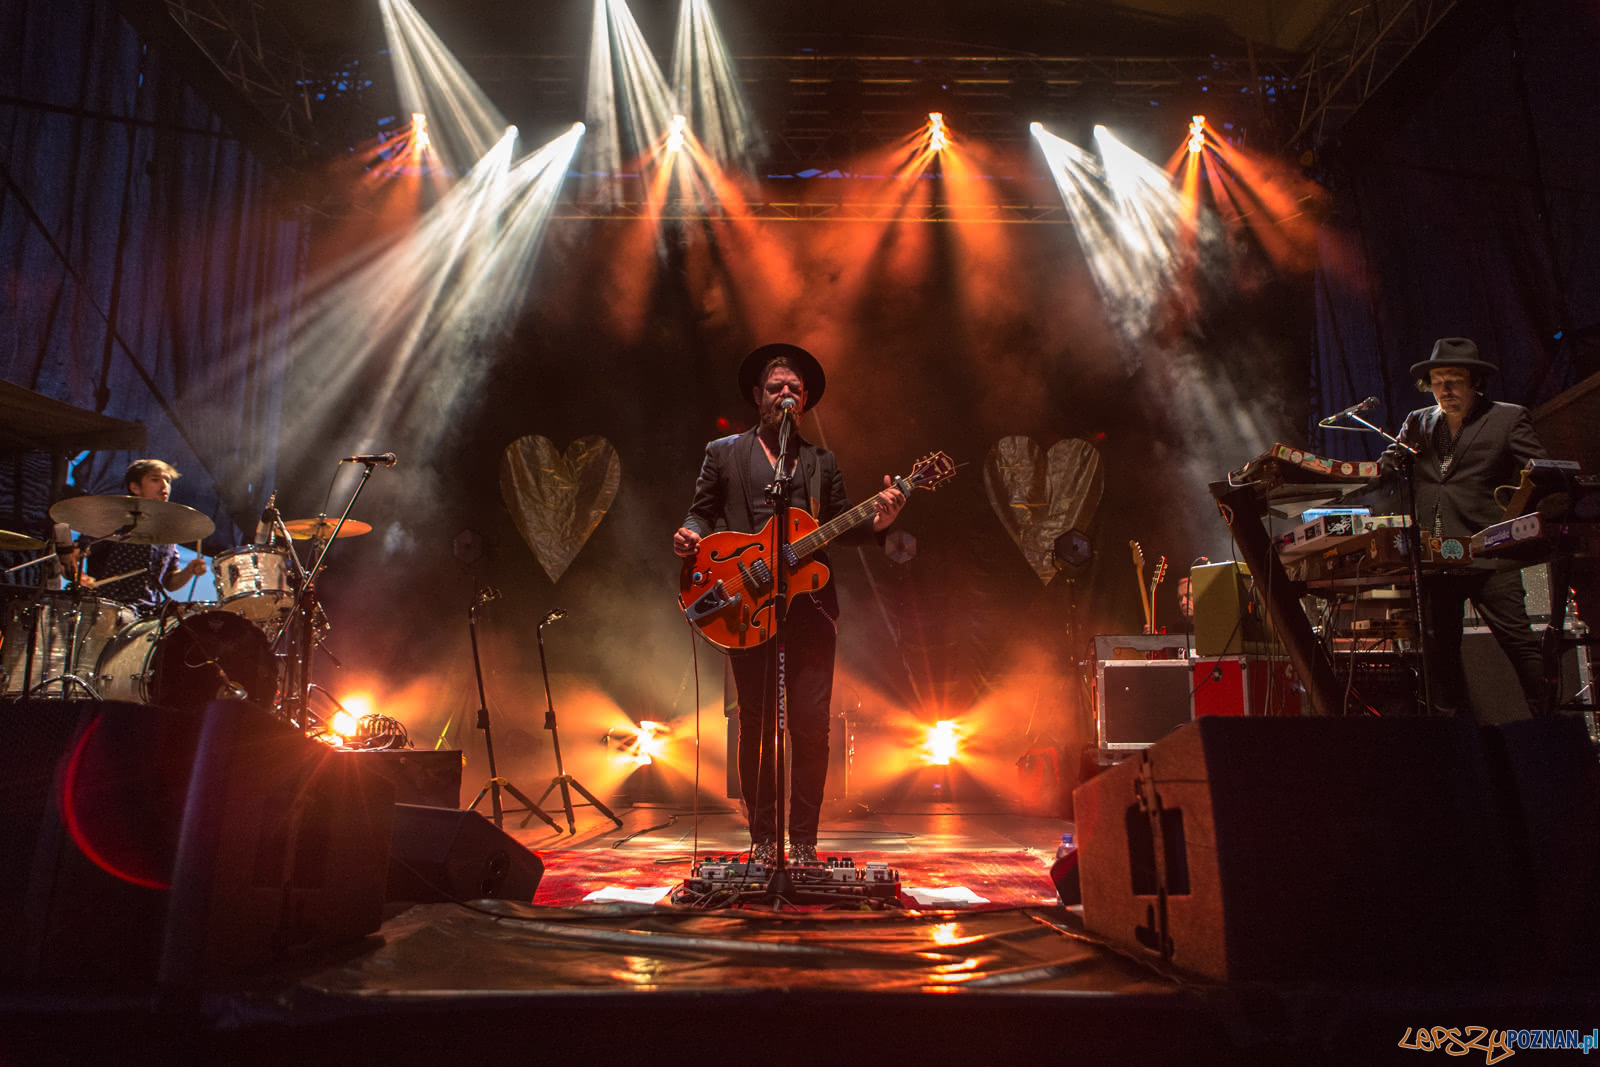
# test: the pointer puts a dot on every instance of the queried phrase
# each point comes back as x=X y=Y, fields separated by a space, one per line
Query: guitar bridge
x=709 y=603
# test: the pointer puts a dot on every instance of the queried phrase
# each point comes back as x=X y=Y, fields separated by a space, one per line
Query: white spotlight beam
x=707 y=87
x=431 y=81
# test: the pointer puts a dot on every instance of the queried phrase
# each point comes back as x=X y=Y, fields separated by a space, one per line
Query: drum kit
x=253 y=642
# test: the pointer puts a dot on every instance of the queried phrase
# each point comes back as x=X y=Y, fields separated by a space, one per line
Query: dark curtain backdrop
x=144 y=270
x=1467 y=203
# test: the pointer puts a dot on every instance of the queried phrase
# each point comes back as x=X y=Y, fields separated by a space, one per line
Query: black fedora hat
x=1453 y=352
x=804 y=363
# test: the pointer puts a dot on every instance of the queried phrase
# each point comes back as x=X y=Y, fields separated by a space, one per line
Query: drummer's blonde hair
x=140 y=467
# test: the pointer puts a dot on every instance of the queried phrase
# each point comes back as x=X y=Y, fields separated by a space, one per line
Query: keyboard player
x=1467 y=446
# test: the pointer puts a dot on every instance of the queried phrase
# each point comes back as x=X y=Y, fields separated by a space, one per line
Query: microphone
x=1354 y=409
x=62 y=535
x=387 y=459
x=552 y=615
x=787 y=405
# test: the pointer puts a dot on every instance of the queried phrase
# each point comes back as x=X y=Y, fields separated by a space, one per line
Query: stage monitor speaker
x=419 y=776
x=141 y=843
x=441 y=855
x=1311 y=849
x=1492 y=686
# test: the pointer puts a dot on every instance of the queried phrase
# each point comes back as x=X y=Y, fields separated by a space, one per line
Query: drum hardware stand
x=297 y=705
x=495 y=783
x=1413 y=536
x=563 y=780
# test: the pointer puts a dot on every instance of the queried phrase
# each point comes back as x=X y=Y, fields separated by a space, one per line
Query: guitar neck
x=842 y=523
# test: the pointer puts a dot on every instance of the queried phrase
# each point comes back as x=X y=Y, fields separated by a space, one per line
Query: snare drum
x=254 y=581
x=43 y=634
x=186 y=664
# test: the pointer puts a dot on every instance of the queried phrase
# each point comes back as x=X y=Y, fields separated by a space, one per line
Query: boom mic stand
x=563 y=780
x=1413 y=534
x=495 y=783
x=781 y=885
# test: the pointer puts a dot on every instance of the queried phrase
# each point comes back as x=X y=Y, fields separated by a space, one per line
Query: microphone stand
x=781 y=885
x=495 y=783
x=1413 y=536
x=563 y=780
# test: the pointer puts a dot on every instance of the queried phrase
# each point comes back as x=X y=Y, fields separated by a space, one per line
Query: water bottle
x=1064 y=872
x=1067 y=847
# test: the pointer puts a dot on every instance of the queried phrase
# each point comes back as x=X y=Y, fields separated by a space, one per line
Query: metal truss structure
x=819 y=211
x=1353 y=55
x=258 y=57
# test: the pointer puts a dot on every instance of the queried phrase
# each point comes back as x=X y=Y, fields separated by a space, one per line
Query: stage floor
x=1014 y=978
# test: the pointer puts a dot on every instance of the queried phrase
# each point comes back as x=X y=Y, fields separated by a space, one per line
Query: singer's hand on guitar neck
x=889 y=502
x=686 y=542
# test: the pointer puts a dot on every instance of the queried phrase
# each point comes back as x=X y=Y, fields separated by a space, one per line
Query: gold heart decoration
x=558 y=499
x=1041 y=495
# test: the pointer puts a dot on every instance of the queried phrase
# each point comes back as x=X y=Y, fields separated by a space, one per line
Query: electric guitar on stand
x=729 y=589
x=1147 y=591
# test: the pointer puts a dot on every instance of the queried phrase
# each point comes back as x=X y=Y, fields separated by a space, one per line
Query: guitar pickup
x=709 y=603
x=757 y=576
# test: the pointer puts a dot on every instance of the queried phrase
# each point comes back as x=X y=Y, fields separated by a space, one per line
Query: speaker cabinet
x=442 y=854
x=140 y=843
x=1321 y=848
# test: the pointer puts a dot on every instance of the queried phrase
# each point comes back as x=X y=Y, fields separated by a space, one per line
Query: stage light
x=937 y=139
x=675 y=134
x=359 y=705
x=627 y=101
x=1197 y=133
x=1035 y=128
x=708 y=89
x=420 y=139
x=944 y=742
x=430 y=81
x=344 y=724
x=652 y=742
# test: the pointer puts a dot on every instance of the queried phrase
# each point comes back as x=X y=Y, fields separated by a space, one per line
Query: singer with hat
x=783 y=381
x=1467 y=446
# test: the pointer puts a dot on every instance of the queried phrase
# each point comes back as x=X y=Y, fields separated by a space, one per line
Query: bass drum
x=211 y=656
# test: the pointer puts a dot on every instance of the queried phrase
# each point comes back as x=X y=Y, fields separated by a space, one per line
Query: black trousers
x=1498 y=598
x=808 y=666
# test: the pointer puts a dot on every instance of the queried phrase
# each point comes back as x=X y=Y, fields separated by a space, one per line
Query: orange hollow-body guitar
x=729 y=589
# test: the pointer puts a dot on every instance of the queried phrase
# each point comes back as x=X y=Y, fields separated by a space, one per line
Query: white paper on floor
x=643 y=895
x=959 y=894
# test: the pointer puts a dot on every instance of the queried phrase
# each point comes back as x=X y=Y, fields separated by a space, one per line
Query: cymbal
x=154 y=522
x=319 y=529
x=19 y=542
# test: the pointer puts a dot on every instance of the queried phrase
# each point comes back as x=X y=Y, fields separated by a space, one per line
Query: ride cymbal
x=146 y=522
x=319 y=529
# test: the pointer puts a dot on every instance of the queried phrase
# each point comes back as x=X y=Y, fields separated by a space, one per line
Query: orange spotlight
x=343 y=723
x=1197 y=133
x=944 y=742
x=675 y=133
x=420 y=138
x=652 y=743
x=937 y=138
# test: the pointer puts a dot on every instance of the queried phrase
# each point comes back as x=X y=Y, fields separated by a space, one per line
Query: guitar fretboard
x=841 y=523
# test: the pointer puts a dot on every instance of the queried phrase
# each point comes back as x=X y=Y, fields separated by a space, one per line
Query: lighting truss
x=817 y=211
x=1353 y=55
x=257 y=55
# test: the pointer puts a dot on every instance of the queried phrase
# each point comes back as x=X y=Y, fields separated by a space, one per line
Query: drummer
x=149 y=479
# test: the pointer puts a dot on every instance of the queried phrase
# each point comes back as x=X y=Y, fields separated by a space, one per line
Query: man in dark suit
x=730 y=494
x=1468 y=446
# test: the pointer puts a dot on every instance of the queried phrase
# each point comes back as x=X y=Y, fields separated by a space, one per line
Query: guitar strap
x=813 y=482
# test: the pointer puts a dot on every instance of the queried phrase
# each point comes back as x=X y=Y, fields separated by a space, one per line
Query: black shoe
x=802 y=853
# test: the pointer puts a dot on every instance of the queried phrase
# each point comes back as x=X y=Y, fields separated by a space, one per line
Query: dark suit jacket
x=1496 y=442
x=724 y=498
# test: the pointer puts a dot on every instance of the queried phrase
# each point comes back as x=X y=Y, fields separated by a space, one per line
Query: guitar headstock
x=1160 y=572
x=932 y=471
x=1138 y=555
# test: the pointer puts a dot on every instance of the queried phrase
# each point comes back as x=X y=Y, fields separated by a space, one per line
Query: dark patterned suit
x=730 y=494
x=1455 y=482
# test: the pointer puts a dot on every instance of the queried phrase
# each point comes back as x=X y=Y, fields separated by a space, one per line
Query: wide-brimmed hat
x=804 y=363
x=1452 y=352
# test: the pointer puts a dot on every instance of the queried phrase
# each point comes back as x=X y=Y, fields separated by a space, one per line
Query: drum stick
x=120 y=577
x=196 y=578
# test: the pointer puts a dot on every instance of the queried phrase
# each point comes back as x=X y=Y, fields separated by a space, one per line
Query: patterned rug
x=1008 y=879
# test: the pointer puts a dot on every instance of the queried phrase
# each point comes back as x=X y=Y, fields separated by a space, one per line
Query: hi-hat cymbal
x=17 y=542
x=148 y=522
x=319 y=529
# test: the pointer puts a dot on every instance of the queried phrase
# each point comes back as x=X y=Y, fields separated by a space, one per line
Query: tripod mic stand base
x=529 y=809
x=566 y=783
